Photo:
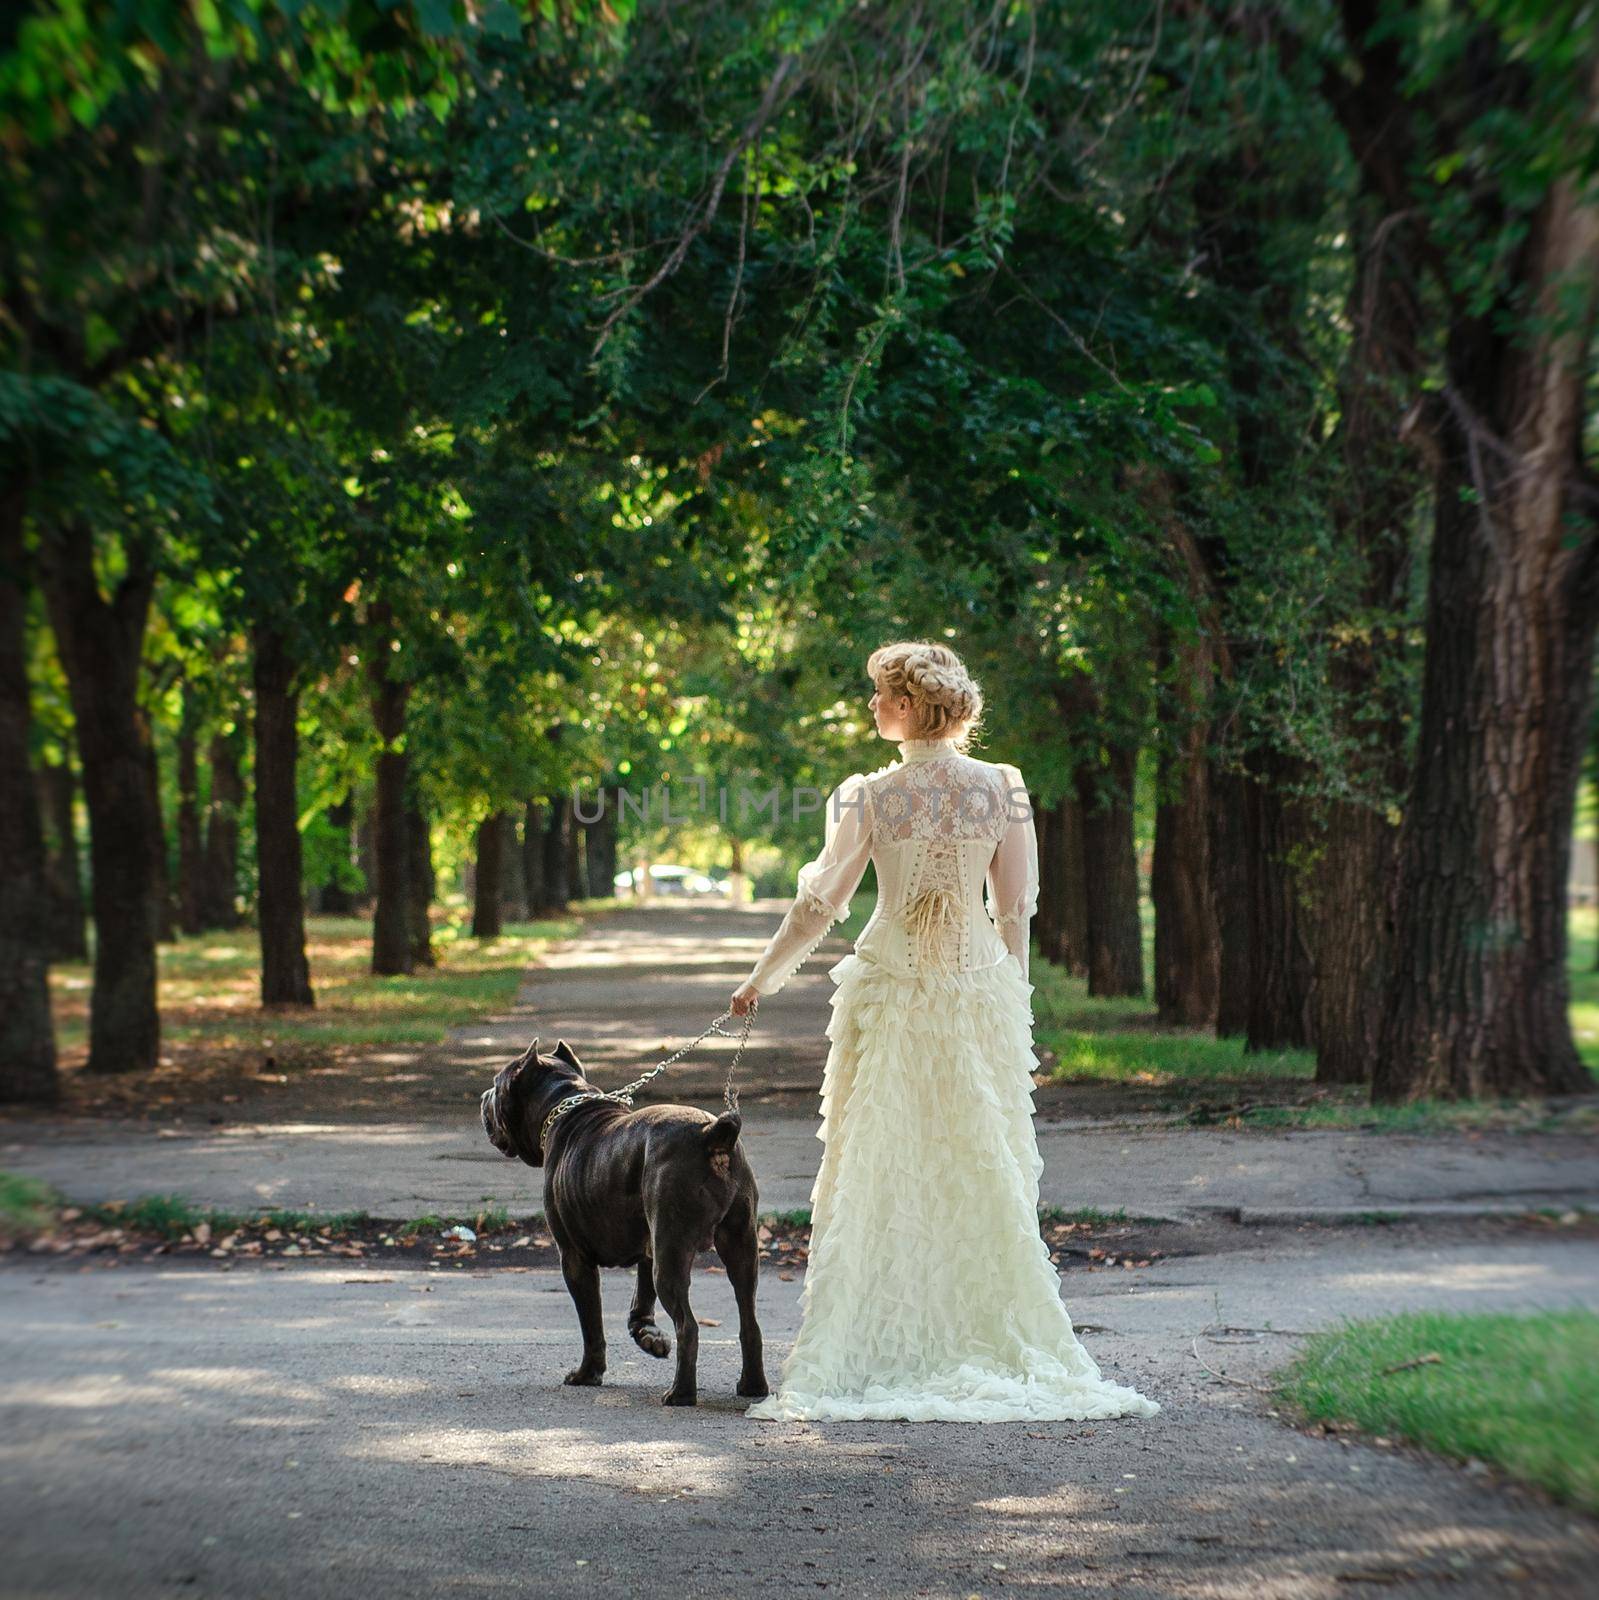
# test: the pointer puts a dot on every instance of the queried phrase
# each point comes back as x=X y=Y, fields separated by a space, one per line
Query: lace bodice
x=938 y=825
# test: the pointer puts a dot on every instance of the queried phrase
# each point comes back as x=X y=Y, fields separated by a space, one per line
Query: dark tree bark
x=1187 y=972
x=419 y=886
x=513 y=881
x=1063 y=936
x=27 y=1035
x=533 y=856
x=100 y=642
x=1230 y=823
x=191 y=845
x=576 y=855
x=1073 y=931
x=1279 y=996
x=335 y=899
x=1110 y=874
x=1477 y=996
x=600 y=844
x=69 y=935
x=220 y=897
x=1352 y=939
x=285 y=971
x=1379 y=483
x=557 y=854
x=391 y=932
x=1243 y=204
x=1187 y=949
x=490 y=875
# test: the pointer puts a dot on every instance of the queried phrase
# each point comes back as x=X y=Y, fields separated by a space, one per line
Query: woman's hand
x=744 y=997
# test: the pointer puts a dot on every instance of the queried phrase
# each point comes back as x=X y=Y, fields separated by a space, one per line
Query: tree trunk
x=1352 y=939
x=533 y=856
x=1110 y=875
x=576 y=853
x=191 y=848
x=1230 y=897
x=557 y=854
x=285 y=972
x=1063 y=938
x=513 y=881
x=1187 y=973
x=1187 y=946
x=1476 y=993
x=1379 y=485
x=600 y=847
x=1279 y=997
x=27 y=1036
x=419 y=886
x=391 y=931
x=69 y=937
x=486 y=923
x=1477 y=1001
x=336 y=900
x=220 y=908
x=100 y=642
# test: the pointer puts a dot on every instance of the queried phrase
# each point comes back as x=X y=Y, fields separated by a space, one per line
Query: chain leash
x=624 y=1095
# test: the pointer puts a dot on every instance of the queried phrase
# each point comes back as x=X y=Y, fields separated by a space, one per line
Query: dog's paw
x=651 y=1340
x=752 y=1389
x=586 y=1377
x=680 y=1397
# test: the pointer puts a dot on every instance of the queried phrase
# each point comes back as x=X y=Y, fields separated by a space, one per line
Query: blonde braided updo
x=945 y=699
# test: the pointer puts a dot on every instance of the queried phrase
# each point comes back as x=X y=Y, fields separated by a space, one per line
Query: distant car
x=685 y=881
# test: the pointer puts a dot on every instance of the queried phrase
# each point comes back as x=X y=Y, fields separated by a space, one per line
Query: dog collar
x=573 y=1100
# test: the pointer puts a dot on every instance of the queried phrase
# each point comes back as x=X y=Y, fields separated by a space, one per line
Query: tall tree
x=27 y=1033
x=1497 y=104
x=285 y=970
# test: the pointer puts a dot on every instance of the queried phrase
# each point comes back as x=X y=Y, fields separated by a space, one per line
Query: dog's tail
x=720 y=1136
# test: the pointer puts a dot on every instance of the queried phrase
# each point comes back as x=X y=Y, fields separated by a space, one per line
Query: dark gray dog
x=649 y=1188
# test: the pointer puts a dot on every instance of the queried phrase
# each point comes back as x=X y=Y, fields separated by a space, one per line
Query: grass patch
x=1584 y=940
x=1423 y=1116
x=797 y=1217
x=210 y=989
x=1122 y=1041
x=1081 y=1214
x=1519 y=1392
x=26 y=1204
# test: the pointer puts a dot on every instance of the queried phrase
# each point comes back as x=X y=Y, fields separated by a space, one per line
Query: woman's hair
x=945 y=699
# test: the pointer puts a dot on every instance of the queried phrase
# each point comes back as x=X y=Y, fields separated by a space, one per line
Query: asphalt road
x=332 y=1430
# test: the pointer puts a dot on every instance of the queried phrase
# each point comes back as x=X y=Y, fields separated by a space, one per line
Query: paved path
x=638 y=983
x=323 y=1430
x=406 y=1170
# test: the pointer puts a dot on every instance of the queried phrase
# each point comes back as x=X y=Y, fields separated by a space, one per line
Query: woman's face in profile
x=890 y=718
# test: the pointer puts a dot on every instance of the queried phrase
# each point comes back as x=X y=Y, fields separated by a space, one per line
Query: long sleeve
x=1013 y=873
x=826 y=885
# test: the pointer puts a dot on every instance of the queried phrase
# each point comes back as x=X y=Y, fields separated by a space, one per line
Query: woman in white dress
x=929 y=1294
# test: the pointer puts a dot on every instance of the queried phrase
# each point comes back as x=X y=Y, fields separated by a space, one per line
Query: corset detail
x=936 y=911
x=933 y=920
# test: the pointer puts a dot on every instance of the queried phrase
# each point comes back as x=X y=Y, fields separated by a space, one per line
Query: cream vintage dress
x=929 y=1294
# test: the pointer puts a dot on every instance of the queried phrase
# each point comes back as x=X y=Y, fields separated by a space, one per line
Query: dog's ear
x=527 y=1059
x=564 y=1051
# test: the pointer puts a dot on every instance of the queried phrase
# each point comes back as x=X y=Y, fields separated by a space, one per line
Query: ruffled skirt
x=929 y=1294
